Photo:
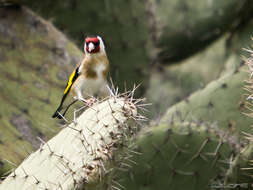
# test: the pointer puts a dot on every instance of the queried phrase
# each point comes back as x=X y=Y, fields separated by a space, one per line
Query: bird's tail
x=57 y=113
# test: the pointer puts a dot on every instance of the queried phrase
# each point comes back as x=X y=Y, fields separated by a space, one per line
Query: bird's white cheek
x=91 y=47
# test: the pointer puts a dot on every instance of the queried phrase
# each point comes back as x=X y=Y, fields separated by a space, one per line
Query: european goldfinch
x=89 y=77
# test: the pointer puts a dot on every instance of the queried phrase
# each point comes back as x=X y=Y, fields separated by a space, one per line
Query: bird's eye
x=87 y=43
x=96 y=43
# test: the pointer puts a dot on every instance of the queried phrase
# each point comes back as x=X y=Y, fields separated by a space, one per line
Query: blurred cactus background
x=188 y=57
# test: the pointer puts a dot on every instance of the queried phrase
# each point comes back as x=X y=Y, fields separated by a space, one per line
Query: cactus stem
x=88 y=150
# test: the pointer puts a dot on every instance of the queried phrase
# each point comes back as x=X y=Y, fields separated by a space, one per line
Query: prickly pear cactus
x=83 y=154
x=241 y=172
x=180 y=156
x=175 y=82
x=221 y=101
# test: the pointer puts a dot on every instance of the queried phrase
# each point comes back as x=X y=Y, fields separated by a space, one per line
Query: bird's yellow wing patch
x=70 y=82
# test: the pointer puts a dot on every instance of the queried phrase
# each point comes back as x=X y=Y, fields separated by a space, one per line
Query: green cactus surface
x=240 y=172
x=196 y=25
x=35 y=61
x=221 y=101
x=180 y=156
x=175 y=82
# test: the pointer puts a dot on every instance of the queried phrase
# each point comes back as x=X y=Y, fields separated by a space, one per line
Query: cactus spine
x=81 y=154
x=241 y=171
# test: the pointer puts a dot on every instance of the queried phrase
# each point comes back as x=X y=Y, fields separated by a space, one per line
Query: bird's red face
x=92 y=44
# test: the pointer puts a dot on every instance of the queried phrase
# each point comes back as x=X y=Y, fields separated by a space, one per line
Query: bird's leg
x=80 y=97
x=88 y=102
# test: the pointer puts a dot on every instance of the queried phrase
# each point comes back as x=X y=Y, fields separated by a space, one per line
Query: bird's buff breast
x=91 y=86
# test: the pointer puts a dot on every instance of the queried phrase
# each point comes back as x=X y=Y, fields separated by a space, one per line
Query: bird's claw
x=90 y=101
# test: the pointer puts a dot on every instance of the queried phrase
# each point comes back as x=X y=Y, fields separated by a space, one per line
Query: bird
x=89 y=78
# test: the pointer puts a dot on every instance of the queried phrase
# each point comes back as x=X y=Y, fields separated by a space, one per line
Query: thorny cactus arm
x=82 y=153
x=241 y=171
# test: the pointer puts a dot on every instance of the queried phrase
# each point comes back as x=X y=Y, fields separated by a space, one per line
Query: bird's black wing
x=75 y=74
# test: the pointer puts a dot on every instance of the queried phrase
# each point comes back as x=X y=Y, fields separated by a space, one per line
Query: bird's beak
x=91 y=46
